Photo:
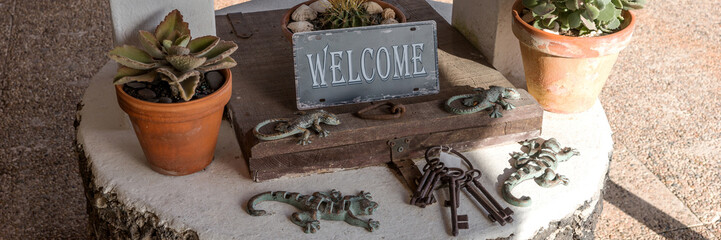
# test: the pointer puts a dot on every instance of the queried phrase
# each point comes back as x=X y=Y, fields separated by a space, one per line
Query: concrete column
x=487 y=24
x=129 y=16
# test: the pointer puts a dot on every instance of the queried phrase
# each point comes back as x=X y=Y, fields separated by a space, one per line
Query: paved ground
x=664 y=106
x=663 y=103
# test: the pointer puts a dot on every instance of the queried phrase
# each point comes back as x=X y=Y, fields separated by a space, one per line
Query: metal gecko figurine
x=539 y=163
x=321 y=205
x=493 y=98
x=287 y=127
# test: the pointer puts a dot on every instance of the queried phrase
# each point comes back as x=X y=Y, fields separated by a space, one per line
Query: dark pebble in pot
x=215 y=79
x=199 y=96
x=153 y=100
x=146 y=94
x=136 y=85
x=165 y=100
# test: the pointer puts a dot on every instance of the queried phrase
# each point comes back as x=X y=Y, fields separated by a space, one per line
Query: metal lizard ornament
x=321 y=205
x=539 y=163
x=494 y=98
x=287 y=127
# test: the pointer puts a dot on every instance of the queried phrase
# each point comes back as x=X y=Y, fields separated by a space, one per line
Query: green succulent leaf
x=150 y=44
x=182 y=41
x=573 y=5
x=171 y=27
x=583 y=31
x=587 y=22
x=607 y=13
x=167 y=44
x=178 y=81
x=188 y=87
x=617 y=3
x=602 y=3
x=633 y=4
x=530 y=3
x=592 y=12
x=185 y=63
x=124 y=71
x=222 y=50
x=537 y=24
x=178 y=50
x=223 y=64
x=563 y=19
x=201 y=45
x=543 y=9
x=132 y=57
x=126 y=75
x=549 y=22
x=574 y=19
x=613 y=24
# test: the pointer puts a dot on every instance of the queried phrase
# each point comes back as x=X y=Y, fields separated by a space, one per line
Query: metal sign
x=374 y=63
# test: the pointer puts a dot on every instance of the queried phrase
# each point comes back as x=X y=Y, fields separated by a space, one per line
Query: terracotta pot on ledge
x=178 y=138
x=566 y=74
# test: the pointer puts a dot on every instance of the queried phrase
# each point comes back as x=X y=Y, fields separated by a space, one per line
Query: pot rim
x=629 y=23
x=286 y=17
x=139 y=107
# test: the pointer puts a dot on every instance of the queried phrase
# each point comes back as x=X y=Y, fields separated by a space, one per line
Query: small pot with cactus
x=570 y=46
x=318 y=15
x=174 y=89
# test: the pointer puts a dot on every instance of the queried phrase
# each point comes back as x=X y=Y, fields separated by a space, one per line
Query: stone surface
x=215 y=79
x=136 y=85
x=165 y=100
x=146 y=94
x=117 y=164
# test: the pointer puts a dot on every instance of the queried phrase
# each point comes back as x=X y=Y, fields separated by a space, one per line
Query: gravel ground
x=662 y=103
x=50 y=51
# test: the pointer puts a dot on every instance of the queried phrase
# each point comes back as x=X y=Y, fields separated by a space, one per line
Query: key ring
x=447 y=149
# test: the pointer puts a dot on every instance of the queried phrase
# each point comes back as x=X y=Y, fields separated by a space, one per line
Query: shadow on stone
x=645 y=213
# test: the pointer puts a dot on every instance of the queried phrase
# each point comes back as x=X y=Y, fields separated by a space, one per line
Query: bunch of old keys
x=437 y=175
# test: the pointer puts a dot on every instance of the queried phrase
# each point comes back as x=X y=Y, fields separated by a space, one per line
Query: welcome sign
x=374 y=63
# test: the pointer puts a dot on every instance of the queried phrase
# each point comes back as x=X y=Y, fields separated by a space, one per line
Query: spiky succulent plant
x=345 y=14
x=584 y=16
x=171 y=54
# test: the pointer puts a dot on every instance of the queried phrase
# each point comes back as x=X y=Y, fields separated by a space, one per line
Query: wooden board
x=263 y=88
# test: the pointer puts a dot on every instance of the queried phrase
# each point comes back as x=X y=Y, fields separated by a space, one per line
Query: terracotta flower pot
x=566 y=74
x=178 y=138
x=286 y=18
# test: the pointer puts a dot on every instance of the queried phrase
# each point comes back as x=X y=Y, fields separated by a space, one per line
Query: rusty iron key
x=423 y=182
x=504 y=213
x=434 y=179
x=479 y=193
x=452 y=178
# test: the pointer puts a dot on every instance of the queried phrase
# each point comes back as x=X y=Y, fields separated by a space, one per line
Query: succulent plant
x=584 y=16
x=345 y=14
x=171 y=54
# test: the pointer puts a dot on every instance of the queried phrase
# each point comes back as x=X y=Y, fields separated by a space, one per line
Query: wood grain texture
x=264 y=88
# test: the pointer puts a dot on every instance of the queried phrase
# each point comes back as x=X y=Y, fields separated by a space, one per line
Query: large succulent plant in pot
x=178 y=136
x=569 y=47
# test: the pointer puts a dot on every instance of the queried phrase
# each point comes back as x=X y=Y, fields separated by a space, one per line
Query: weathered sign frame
x=263 y=88
x=313 y=91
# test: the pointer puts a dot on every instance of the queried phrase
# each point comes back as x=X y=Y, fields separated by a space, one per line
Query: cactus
x=580 y=16
x=345 y=14
x=170 y=54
